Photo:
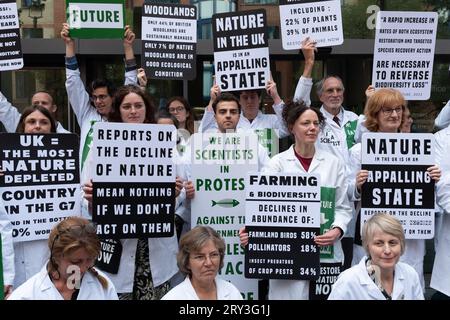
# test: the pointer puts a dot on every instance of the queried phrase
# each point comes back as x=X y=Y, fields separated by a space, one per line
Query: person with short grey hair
x=379 y=275
x=200 y=257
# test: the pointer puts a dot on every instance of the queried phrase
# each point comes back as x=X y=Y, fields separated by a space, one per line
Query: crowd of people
x=379 y=263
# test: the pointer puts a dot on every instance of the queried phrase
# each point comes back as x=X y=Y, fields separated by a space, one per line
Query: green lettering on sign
x=96 y=19
x=327 y=205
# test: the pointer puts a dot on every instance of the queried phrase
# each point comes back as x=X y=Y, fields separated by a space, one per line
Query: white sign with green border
x=96 y=19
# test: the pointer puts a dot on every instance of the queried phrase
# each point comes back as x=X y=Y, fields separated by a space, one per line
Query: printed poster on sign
x=398 y=181
x=241 y=50
x=169 y=41
x=96 y=19
x=220 y=163
x=404 y=52
x=10 y=46
x=133 y=177
x=41 y=181
x=320 y=20
x=320 y=288
x=282 y=218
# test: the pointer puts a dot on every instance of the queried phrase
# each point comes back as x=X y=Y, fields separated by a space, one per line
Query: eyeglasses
x=101 y=97
x=176 y=109
x=201 y=258
x=389 y=111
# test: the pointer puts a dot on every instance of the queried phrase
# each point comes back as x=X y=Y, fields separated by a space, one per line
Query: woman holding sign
x=380 y=275
x=145 y=265
x=303 y=157
x=29 y=256
x=384 y=113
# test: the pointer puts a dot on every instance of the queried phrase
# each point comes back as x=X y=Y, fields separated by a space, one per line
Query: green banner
x=327 y=205
x=350 y=129
x=2 y=287
x=269 y=140
x=96 y=19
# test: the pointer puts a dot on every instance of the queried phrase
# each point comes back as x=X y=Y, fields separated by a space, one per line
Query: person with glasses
x=94 y=105
x=379 y=275
x=69 y=274
x=200 y=257
x=384 y=113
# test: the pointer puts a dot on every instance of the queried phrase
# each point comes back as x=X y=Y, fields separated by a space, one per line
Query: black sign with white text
x=133 y=180
x=398 y=181
x=281 y=253
x=10 y=46
x=320 y=288
x=110 y=253
x=169 y=41
x=41 y=181
x=241 y=50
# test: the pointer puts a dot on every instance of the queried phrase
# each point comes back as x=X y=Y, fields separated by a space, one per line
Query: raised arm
x=304 y=85
x=130 y=61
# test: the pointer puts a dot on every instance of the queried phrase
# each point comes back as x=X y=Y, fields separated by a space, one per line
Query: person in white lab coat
x=380 y=275
x=440 y=276
x=200 y=257
x=69 y=274
x=7 y=251
x=31 y=255
x=147 y=264
x=337 y=135
x=304 y=157
x=384 y=113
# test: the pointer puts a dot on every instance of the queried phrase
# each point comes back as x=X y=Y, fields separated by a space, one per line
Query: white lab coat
x=440 y=277
x=443 y=119
x=10 y=116
x=81 y=104
x=262 y=121
x=29 y=257
x=331 y=171
x=7 y=247
x=185 y=291
x=40 y=287
x=415 y=248
x=355 y=284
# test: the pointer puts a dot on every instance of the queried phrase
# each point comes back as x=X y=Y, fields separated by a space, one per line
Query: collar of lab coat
x=222 y=294
x=47 y=284
x=318 y=158
x=372 y=289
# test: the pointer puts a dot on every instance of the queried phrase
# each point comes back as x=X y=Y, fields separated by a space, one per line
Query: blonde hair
x=385 y=223
x=69 y=235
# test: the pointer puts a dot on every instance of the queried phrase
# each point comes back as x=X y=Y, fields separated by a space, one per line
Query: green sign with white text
x=96 y=19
